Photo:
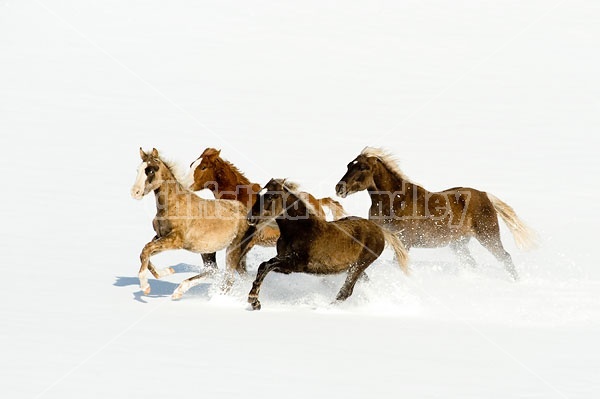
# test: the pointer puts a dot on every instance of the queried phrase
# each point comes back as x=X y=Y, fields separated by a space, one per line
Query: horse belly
x=326 y=257
x=429 y=234
x=324 y=268
x=211 y=235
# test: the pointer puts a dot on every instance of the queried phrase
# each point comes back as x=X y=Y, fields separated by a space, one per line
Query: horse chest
x=162 y=226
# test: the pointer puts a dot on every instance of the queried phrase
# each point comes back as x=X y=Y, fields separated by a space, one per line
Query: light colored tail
x=398 y=247
x=337 y=210
x=525 y=237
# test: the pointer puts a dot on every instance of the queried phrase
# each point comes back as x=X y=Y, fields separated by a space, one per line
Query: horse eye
x=149 y=171
x=203 y=168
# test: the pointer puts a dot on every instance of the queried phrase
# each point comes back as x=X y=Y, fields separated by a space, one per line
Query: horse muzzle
x=252 y=220
x=341 y=190
x=137 y=193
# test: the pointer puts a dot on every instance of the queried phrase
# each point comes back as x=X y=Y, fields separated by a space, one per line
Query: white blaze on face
x=137 y=191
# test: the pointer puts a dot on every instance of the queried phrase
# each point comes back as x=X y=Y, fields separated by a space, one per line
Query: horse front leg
x=262 y=272
x=152 y=248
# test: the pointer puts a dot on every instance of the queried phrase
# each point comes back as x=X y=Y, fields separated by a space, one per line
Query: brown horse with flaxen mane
x=226 y=181
x=185 y=221
x=422 y=218
x=310 y=244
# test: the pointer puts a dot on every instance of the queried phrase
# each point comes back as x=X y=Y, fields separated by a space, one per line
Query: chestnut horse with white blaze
x=185 y=221
x=310 y=244
x=422 y=218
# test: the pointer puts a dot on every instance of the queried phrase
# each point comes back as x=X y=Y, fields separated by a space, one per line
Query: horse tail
x=525 y=237
x=337 y=210
x=399 y=248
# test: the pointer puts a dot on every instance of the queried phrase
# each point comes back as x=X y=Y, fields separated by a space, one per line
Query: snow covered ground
x=502 y=96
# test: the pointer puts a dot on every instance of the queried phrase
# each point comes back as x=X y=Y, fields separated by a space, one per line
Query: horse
x=226 y=181
x=185 y=221
x=310 y=244
x=427 y=219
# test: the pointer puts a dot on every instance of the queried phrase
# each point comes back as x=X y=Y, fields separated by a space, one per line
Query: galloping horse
x=427 y=219
x=310 y=244
x=225 y=180
x=185 y=221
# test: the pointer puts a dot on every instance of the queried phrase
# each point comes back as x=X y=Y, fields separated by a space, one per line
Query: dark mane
x=174 y=169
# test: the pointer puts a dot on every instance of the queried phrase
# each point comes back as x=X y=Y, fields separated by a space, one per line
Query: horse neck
x=386 y=181
x=294 y=217
x=233 y=185
x=389 y=187
x=169 y=189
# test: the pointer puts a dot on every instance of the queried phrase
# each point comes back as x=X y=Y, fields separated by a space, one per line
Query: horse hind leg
x=236 y=260
x=189 y=283
x=354 y=273
x=210 y=260
x=490 y=239
x=461 y=249
x=160 y=273
x=248 y=241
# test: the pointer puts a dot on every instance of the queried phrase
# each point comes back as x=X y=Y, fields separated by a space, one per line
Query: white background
x=503 y=96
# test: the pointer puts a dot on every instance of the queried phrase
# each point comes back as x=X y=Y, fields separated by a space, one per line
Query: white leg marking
x=167 y=271
x=144 y=285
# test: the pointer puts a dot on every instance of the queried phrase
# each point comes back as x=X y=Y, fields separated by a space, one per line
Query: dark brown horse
x=426 y=219
x=226 y=181
x=310 y=244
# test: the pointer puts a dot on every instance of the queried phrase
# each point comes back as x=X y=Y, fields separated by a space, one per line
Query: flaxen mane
x=390 y=162
x=175 y=171
x=294 y=188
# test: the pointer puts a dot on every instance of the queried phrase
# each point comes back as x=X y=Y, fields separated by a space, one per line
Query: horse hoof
x=176 y=296
x=170 y=270
x=146 y=290
x=255 y=305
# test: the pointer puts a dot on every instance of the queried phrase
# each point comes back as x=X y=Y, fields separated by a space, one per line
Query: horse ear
x=210 y=153
x=154 y=153
x=142 y=154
